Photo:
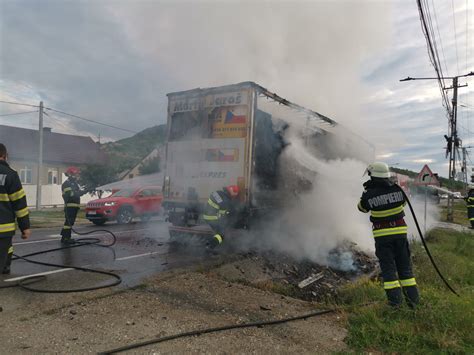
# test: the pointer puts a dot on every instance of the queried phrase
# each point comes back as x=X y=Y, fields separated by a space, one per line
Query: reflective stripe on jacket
x=218 y=205
x=385 y=201
x=12 y=202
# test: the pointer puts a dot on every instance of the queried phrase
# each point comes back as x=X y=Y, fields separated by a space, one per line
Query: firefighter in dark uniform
x=220 y=212
x=470 y=205
x=12 y=206
x=386 y=202
x=72 y=200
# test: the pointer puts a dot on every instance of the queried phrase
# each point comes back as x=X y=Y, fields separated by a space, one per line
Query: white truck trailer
x=235 y=135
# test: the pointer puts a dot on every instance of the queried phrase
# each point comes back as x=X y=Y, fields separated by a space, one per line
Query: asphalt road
x=142 y=249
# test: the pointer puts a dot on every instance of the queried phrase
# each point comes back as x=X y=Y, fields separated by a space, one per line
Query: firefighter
x=386 y=202
x=12 y=206
x=220 y=212
x=72 y=199
x=470 y=205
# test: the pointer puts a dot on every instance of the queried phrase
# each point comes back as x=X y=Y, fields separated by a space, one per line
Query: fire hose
x=277 y=321
x=26 y=282
x=425 y=245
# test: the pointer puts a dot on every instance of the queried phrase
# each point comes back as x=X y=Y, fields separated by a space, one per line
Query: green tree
x=150 y=166
x=93 y=176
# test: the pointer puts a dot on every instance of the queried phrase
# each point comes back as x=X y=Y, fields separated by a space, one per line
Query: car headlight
x=110 y=204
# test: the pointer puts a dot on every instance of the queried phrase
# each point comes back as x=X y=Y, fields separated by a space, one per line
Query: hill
x=125 y=153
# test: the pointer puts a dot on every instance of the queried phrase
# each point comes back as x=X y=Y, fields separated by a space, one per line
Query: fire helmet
x=378 y=170
x=233 y=190
x=72 y=170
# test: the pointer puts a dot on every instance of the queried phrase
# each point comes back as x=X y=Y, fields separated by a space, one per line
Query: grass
x=442 y=323
x=459 y=213
x=52 y=217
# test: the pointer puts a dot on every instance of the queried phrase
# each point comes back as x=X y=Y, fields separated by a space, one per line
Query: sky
x=115 y=61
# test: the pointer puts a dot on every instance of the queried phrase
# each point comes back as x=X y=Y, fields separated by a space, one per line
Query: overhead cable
x=17 y=113
x=17 y=103
x=89 y=120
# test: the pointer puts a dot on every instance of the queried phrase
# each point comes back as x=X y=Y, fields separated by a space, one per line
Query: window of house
x=25 y=175
x=53 y=176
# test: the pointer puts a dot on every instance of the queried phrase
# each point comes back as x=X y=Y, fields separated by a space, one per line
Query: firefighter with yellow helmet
x=385 y=201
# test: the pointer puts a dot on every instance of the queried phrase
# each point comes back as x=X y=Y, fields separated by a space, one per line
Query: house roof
x=22 y=144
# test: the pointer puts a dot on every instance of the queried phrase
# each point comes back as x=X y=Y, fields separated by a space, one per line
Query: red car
x=125 y=204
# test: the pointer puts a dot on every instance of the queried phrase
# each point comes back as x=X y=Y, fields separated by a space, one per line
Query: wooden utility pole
x=453 y=142
x=40 y=158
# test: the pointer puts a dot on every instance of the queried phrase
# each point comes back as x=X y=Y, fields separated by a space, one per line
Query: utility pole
x=40 y=158
x=453 y=144
x=453 y=141
x=464 y=169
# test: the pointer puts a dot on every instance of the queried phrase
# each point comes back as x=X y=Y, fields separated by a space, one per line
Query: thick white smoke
x=327 y=216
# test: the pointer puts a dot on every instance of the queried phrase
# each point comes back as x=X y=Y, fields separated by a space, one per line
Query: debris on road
x=310 y=280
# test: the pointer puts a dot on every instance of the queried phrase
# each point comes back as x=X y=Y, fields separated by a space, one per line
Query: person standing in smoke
x=220 y=212
x=386 y=201
x=72 y=202
x=470 y=205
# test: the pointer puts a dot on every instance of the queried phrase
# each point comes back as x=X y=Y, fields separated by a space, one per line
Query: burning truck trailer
x=235 y=135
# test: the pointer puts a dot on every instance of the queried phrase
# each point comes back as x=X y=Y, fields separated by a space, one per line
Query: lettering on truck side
x=214 y=101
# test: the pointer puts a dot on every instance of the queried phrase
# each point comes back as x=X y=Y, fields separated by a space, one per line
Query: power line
x=17 y=113
x=17 y=103
x=432 y=52
x=439 y=35
x=455 y=35
x=89 y=120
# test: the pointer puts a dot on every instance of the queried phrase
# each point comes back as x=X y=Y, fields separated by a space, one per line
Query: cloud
x=115 y=62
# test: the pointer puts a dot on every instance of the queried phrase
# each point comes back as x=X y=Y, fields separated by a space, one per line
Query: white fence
x=50 y=195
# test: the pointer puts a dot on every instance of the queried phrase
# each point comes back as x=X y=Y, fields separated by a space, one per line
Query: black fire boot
x=67 y=240
x=394 y=297
x=411 y=296
x=6 y=270
x=212 y=243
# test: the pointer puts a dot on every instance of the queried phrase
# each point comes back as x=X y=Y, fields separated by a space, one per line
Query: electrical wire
x=89 y=120
x=427 y=30
x=439 y=35
x=17 y=113
x=455 y=36
x=17 y=103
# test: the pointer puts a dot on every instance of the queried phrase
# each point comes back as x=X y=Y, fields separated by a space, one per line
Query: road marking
x=55 y=236
x=39 y=274
x=68 y=269
x=136 y=256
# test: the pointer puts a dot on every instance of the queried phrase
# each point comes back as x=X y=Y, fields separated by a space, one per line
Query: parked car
x=125 y=204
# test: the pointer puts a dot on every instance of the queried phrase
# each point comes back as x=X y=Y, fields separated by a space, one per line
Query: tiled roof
x=22 y=144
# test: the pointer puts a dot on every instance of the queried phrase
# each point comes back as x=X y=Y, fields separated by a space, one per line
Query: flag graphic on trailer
x=229 y=122
x=231 y=118
x=222 y=155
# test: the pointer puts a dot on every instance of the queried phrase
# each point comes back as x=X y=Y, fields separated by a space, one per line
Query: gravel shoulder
x=172 y=302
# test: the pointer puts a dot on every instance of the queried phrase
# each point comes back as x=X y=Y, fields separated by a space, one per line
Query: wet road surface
x=141 y=250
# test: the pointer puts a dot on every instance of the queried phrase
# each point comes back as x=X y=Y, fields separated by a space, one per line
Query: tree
x=93 y=176
x=150 y=166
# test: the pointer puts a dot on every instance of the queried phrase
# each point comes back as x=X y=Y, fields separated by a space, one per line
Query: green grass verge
x=459 y=213
x=443 y=322
x=52 y=217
